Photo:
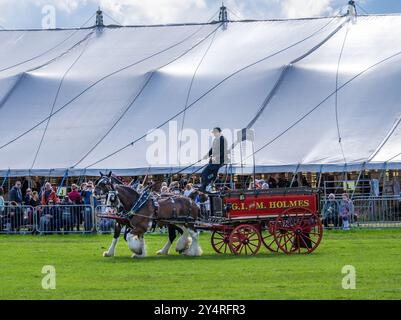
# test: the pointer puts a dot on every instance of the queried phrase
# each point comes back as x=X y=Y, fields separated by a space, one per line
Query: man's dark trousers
x=209 y=174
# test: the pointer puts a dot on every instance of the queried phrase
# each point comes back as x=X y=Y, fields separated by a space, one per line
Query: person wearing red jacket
x=76 y=198
x=49 y=195
x=75 y=195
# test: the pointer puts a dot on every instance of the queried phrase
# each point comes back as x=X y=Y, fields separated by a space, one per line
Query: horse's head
x=104 y=184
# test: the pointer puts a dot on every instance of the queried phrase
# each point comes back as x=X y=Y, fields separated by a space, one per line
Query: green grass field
x=82 y=272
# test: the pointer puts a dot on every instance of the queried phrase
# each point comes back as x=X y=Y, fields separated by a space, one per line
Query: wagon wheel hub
x=298 y=231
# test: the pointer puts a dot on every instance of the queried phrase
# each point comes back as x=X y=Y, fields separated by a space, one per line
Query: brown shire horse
x=175 y=208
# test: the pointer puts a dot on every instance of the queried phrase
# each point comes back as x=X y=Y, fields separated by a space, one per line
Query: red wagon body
x=283 y=220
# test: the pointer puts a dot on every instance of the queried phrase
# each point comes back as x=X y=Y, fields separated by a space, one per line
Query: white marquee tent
x=321 y=94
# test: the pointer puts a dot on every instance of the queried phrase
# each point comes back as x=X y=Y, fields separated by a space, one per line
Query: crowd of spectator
x=339 y=213
x=280 y=182
x=45 y=211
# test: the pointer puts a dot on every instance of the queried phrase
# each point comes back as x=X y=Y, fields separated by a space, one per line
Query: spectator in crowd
x=174 y=187
x=164 y=190
x=49 y=219
x=304 y=181
x=15 y=198
x=28 y=196
x=67 y=214
x=31 y=200
x=15 y=195
x=259 y=184
x=35 y=200
x=346 y=211
x=331 y=211
x=282 y=182
x=75 y=195
x=272 y=182
x=2 y=209
x=90 y=202
x=48 y=195
x=76 y=198
x=265 y=186
x=188 y=189
x=106 y=225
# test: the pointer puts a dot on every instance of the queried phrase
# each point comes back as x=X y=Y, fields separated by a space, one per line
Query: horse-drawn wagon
x=284 y=220
x=240 y=221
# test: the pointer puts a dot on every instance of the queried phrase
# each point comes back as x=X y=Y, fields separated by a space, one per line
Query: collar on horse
x=141 y=201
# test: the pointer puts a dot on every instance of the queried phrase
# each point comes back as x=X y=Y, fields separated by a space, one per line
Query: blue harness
x=143 y=198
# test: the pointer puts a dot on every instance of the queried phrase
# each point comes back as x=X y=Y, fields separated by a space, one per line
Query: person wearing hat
x=217 y=155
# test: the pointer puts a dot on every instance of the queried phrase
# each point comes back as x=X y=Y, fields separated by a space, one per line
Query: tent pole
x=358 y=179
x=294 y=174
x=62 y=182
x=6 y=178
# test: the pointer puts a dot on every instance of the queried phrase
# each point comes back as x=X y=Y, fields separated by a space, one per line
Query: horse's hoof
x=193 y=253
x=106 y=254
x=137 y=256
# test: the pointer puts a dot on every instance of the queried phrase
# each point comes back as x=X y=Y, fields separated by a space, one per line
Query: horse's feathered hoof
x=162 y=253
x=191 y=252
x=106 y=254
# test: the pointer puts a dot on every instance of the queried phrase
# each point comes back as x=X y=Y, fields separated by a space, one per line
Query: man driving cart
x=218 y=157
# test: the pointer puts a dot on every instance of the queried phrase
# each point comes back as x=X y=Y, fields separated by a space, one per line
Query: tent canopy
x=321 y=95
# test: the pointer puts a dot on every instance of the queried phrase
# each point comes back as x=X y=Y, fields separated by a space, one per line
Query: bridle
x=105 y=184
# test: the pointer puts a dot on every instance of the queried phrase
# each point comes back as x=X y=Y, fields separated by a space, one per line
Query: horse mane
x=116 y=179
x=127 y=195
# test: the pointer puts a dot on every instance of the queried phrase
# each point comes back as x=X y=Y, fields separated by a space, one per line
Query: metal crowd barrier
x=17 y=219
x=104 y=225
x=368 y=212
x=378 y=212
x=65 y=219
x=47 y=219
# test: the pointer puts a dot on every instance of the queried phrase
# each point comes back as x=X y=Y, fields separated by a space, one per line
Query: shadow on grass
x=206 y=257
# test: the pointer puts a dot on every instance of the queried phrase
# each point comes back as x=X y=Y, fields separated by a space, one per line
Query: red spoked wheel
x=298 y=230
x=268 y=239
x=245 y=239
x=219 y=240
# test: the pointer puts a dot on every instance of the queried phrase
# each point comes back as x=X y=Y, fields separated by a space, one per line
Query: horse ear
x=101 y=174
x=110 y=174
